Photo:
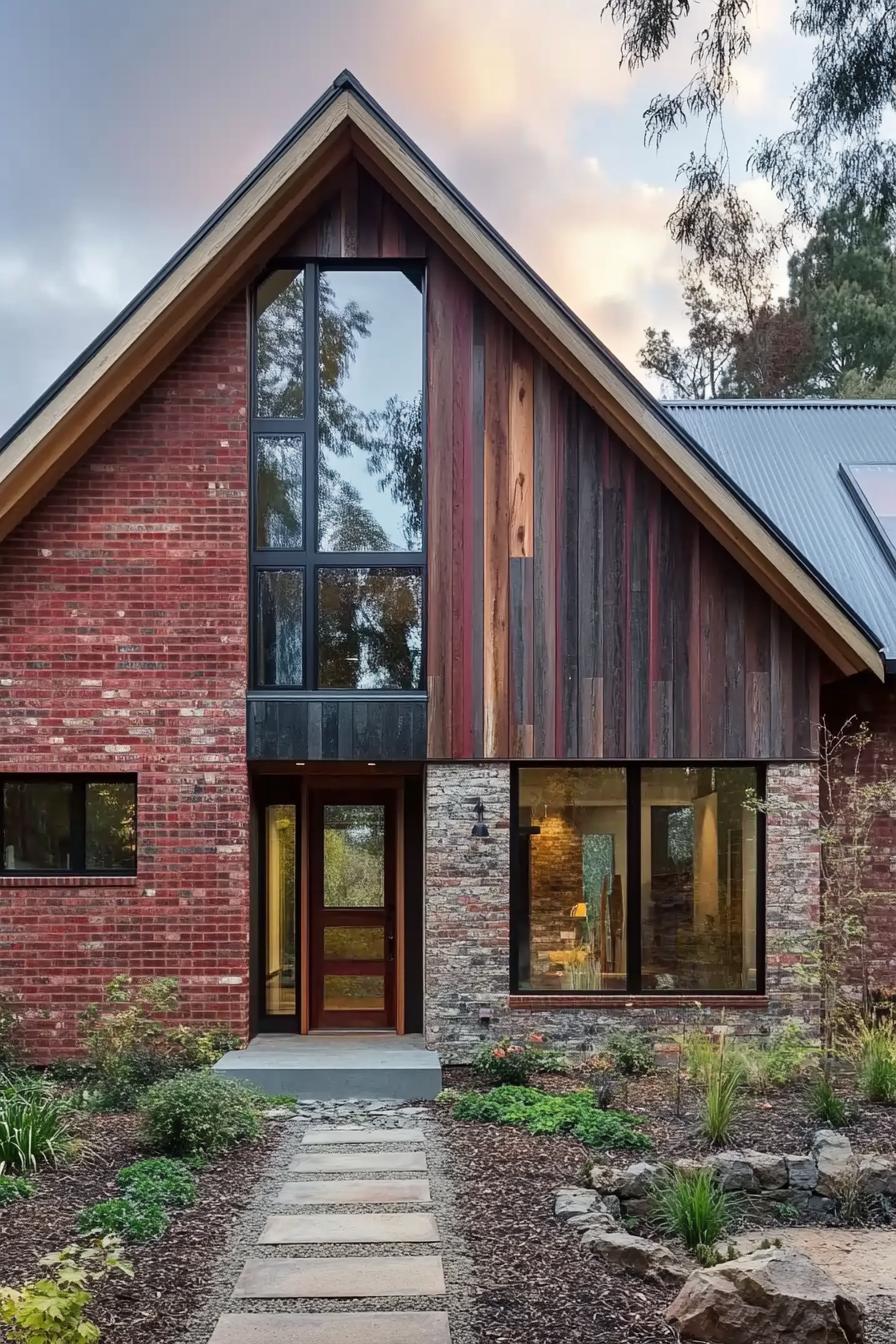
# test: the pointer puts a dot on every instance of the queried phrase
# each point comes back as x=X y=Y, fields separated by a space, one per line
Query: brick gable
x=123 y=647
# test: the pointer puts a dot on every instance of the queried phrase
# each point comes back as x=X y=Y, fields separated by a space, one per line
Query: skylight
x=873 y=486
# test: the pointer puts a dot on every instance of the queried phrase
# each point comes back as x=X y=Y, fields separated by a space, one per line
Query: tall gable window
x=337 y=558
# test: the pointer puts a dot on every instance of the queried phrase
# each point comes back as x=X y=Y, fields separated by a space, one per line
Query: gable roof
x=225 y=252
x=787 y=455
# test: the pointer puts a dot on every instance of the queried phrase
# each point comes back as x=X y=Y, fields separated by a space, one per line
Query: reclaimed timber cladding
x=576 y=610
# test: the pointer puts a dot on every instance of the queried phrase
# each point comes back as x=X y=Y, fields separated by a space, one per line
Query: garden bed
x=171 y=1274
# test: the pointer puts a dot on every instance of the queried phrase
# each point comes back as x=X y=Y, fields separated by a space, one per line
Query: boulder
x=877 y=1175
x=689 y=1165
x=761 y=1298
x=802 y=1172
x=769 y=1170
x=733 y=1171
x=573 y=1200
x=584 y=1222
x=649 y=1259
x=612 y=1205
x=635 y=1181
x=605 y=1179
x=834 y=1159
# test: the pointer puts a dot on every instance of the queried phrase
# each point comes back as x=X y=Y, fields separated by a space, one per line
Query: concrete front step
x=338 y=1164
x=341 y=1327
x=354 y=1192
x=339 y=1229
x=344 y=1276
x=327 y=1067
x=320 y=1136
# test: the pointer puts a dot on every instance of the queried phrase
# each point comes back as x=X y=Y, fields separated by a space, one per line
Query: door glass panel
x=279 y=497
x=280 y=924
x=354 y=993
x=279 y=346
x=370 y=455
x=354 y=944
x=354 y=855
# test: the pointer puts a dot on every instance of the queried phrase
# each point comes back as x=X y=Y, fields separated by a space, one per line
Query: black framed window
x=68 y=824
x=632 y=879
x=338 y=479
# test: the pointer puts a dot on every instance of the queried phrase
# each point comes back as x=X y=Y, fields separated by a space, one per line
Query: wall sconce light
x=480 y=830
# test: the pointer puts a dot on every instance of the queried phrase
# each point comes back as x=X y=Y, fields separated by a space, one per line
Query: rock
x=877 y=1175
x=612 y=1205
x=819 y=1206
x=733 y=1171
x=802 y=1173
x=689 y=1165
x=574 y=1199
x=636 y=1180
x=605 y=1179
x=833 y=1157
x=278 y=1113
x=764 y=1297
x=583 y=1222
x=648 y=1258
x=769 y=1170
x=638 y=1208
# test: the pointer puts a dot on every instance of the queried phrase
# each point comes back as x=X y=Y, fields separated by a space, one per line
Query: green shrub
x=825 y=1105
x=692 y=1206
x=160 y=1180
x=874 y=1048
x=33 y=1127
x=135 y=1220
x=13 y=1188
x=631 y=1053
x=722 y=1101
x=199 y=1114
x=51 y=1310
x=550 y=1113
x=784 y=1059
x=201 y=1047
x=508 y=1061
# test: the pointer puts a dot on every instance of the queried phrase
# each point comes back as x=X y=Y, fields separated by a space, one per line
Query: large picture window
x=634 y=879
x=68 y=824
x=338 y=478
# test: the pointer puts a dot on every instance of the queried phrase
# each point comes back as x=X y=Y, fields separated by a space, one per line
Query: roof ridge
x=780 y=403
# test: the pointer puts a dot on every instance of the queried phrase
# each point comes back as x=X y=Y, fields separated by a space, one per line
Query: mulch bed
x=171 y=1275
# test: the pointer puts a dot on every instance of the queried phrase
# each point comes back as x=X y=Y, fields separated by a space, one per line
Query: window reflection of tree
x=369 y=624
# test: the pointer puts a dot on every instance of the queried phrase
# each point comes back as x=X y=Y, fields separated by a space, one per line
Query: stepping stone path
x=346 y=1166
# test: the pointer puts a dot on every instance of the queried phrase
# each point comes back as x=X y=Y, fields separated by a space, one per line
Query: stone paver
x=343 y=1327
x=353 y=1134
x=314 y=1164
x=344 y=1276
x=331 y=1229
x=354 y=1192
x=860 y=1260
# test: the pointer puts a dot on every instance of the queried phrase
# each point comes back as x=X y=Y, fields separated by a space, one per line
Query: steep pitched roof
x=787 y=456
x=249 y=226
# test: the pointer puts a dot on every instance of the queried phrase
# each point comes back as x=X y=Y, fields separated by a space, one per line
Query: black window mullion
x=78 y=837
x=633 y=879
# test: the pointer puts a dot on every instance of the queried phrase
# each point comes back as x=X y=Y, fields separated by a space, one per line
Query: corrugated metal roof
x=786 y=455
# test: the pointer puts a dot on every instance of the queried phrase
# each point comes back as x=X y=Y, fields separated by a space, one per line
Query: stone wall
x=467 y=913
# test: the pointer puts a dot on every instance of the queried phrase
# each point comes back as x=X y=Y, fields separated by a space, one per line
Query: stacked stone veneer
x=467 y=900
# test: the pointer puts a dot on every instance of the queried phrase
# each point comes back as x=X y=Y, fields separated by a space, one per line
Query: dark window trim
x=519 y=894
x=79 y=782
x=311 y=559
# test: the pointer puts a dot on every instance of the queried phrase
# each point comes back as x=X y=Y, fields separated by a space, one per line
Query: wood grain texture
x=522 y=450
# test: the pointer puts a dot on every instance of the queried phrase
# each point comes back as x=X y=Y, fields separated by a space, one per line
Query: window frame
x=311 y=559
x=633 y=987
x=79 y=782
x=866 y=508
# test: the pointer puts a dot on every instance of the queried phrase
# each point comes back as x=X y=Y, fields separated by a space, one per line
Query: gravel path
x=243 y=1245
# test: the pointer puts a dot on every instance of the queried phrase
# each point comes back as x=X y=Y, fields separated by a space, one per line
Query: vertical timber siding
x=575 y=609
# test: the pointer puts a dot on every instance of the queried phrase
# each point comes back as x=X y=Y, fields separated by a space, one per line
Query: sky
x=124 y=123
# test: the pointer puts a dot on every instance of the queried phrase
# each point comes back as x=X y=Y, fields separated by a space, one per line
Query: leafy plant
x=199 y=1114
x=692 y=1206
x=13 y=1188
x=200 y=1048
x=539 y=1112
x=788 y=1055
x=10 y=1018
x=509 y=1061
x=33 y=1128
x=160 y=1180
x=134 y=1219
x=874 y=1049
x=631 y=1053
x=51 y=1310
x=722 y=1100
x=825 y=1105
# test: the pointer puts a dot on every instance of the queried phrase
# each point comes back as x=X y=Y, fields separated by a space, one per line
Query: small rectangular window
x=59 y=824
x=280 y=346
x=279 y=496
x=280 y=602
x=369 y=625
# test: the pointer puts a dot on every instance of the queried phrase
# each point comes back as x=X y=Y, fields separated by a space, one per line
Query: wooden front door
x=352 y=838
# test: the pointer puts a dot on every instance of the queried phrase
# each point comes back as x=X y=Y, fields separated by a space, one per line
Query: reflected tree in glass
x=279 y=470
x=279 y=346
x=111 y=822
x=369 y=628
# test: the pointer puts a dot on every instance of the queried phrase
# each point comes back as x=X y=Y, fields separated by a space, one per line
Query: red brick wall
x=875 y=704
x=123 y=631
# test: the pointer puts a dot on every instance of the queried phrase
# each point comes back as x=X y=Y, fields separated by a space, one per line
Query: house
x=376 y=653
